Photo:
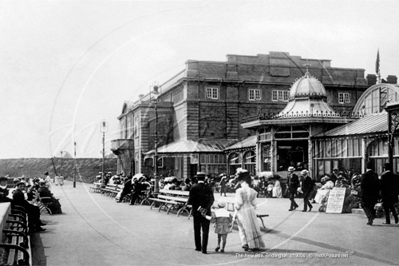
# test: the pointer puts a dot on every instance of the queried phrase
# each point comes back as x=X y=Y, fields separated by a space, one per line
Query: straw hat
x=221 y=204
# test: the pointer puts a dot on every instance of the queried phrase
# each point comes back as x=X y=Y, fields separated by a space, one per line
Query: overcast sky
x=67 y=65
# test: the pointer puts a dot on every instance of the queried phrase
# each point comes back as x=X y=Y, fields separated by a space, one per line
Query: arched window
x=234 y=162
x=375 y=98
x=250 y=161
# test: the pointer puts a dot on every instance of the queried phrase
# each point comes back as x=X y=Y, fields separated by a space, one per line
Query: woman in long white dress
x=277 y=191
x=323 y=191
x=248 y=224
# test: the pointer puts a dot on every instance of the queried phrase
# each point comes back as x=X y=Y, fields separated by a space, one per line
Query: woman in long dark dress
x=54 y=205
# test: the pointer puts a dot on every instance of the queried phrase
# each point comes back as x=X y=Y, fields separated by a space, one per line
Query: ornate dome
x=308 y=86
x=307 y=97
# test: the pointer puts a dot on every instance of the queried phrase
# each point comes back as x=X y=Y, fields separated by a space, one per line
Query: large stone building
x=201 y=109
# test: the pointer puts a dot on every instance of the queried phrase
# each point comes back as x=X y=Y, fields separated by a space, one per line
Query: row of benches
x=165 y=199
x=113 y=190
x=109 y=190
x=15 y=244
x=176 y=199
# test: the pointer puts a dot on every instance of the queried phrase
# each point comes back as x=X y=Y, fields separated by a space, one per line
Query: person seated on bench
x=54 y=204
x=33 y=211
x=137 y=188
x=187 y=185
x=169 y=185
x=175 y=185
x=4 y=190
x=127 y=188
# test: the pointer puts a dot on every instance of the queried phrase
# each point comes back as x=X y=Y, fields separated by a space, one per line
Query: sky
x=65 y=66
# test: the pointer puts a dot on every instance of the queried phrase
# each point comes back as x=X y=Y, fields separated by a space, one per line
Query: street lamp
x=155 y=94
x=103 y=129
x=74 y=168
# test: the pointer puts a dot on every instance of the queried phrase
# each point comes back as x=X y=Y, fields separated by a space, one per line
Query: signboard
x=336 y=200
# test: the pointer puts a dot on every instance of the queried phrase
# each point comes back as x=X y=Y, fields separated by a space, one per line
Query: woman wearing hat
x=322 y=192
x=244 y=204
x=54 y=204
x=4 y=190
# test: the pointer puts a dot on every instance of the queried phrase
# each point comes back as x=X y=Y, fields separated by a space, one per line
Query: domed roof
x=307 y=85
x=307 y=97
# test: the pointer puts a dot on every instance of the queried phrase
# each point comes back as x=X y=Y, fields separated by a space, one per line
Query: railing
x=271 y=116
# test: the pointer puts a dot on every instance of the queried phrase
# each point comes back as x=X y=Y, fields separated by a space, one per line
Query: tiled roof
x=191 y=146
x=245 y=143
x=373 y=123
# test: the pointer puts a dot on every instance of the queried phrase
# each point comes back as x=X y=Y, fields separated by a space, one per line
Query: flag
x=377 y=63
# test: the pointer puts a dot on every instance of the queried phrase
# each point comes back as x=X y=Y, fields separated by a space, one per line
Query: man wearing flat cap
x=201 y=196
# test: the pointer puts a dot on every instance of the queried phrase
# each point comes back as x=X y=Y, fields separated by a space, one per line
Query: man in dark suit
x=370 y=192
x=307 y=187
x=293 y=184
x=137 y=189
x=201 y=195
x=388 y=193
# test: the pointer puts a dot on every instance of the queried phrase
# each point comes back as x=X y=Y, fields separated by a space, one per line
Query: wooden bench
x=111 y=190
x=16 y=242
x=172 y=199
x=96 y=188
x=230 y=208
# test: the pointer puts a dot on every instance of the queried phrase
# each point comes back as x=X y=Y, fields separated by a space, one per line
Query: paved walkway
x=95 y=230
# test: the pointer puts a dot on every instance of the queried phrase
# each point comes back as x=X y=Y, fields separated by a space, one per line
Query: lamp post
x=103 y=129
x=74 y=166
x=155 y=93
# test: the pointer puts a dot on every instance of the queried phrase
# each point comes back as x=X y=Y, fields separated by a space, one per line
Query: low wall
x=86 y=168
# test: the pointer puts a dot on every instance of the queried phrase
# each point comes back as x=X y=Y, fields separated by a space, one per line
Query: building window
x=254 y=94
x=344 y=97
x=212 y=93
x=280 y=95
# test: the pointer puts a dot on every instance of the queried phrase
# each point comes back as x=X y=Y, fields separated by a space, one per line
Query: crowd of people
x=27 y=193
x=361 y=190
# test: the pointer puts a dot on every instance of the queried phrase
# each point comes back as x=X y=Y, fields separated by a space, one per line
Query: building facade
x=200 y=111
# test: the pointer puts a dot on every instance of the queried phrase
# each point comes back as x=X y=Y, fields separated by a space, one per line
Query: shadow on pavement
x=38 y=255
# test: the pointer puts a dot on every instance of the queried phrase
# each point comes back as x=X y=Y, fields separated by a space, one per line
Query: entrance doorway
x=292 y=153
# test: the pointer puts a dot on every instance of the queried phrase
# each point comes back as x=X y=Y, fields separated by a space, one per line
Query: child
x=222 y=219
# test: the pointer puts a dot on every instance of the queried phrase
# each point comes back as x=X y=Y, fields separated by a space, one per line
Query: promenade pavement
x=95 y=230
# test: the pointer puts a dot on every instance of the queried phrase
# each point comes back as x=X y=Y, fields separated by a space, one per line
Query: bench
x=96 y=188
x=172 y=199
x=230 y=208
x=145 y=197
x=111 y=190
x=16 y=241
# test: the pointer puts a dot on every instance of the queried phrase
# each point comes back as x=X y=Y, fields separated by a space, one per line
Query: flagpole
x=377 y=67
